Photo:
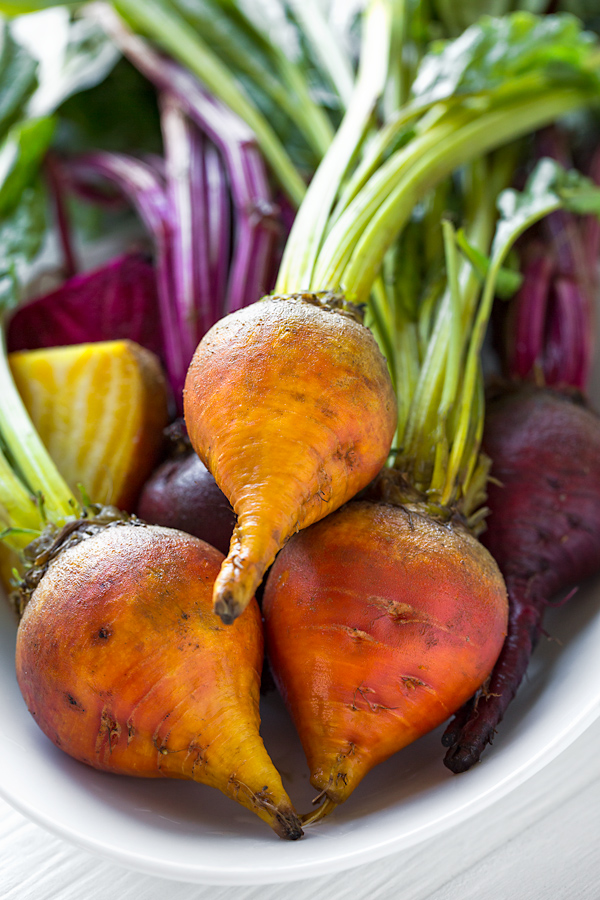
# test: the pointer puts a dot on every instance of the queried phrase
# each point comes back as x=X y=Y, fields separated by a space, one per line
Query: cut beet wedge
x=100 y=409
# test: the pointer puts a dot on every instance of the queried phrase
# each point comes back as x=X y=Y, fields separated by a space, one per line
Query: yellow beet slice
x=100 y=409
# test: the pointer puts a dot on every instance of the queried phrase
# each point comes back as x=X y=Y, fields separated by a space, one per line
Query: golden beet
x=100 y=409
x=124 y=666
x=289 y=404
x=380 y=623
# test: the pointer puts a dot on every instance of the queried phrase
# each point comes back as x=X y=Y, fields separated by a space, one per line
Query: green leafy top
x=439 y=431
x=78 y=57
x=18 y=77
x=365 y=193
x=350 y=219
x=493 y=52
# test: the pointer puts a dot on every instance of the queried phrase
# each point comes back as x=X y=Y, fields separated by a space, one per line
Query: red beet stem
x=528 y=314
x=543 y=531
x=54 y=178
x=550 y=327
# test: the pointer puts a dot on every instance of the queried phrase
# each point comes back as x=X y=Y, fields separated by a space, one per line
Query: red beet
x=182 y=494
x=543 y=530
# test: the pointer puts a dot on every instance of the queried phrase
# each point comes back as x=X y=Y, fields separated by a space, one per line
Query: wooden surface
x=541 y=841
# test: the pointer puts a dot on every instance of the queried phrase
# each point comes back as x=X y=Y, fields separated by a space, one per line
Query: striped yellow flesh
x=100 y=410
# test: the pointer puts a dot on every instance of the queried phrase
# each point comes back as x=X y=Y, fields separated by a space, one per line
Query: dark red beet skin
x=183 y=494
x=543 y=530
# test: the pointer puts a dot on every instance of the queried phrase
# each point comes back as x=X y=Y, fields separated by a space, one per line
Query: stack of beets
x=544 y=440
x=541 y=434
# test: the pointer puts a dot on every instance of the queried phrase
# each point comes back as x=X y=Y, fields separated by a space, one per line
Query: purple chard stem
x=140 y=183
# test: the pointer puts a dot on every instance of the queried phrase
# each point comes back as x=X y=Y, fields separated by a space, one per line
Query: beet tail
x=474 y=726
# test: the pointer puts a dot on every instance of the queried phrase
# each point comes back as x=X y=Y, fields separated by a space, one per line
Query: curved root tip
x=469 y=742
x=326 y=807
x=463 y=756
x=288 y=826
x=228 y=609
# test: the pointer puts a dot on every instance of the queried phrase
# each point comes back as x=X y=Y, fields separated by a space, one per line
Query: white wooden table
x=540 y=842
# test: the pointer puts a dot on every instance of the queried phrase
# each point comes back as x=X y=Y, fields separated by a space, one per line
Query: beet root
x=125 y=667
x=543 y=531
x=182 y=494
x=380 y=623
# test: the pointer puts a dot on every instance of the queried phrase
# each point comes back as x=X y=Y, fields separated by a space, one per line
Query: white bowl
x=190 y=832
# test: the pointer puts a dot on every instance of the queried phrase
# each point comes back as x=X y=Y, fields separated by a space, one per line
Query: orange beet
x=380 y=623
x=289 y=404
x=124 y=666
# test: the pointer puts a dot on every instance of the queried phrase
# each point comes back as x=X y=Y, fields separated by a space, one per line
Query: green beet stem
x=450 y=149
x=32 y=491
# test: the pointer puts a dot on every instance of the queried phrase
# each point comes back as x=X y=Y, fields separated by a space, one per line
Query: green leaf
x=18 y=77
x=23 y=230
x=273 y=72
x=20 y=155
x=549 y=187
x=9 y=291
x=22 y=203
x=578 y=193
x=21 y=7
x=21 y=235
x=495 y=50
x=79 y=56
x=508 y=281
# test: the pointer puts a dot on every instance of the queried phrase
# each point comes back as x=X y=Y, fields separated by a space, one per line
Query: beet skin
x=183 y=494
x=543 y=531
